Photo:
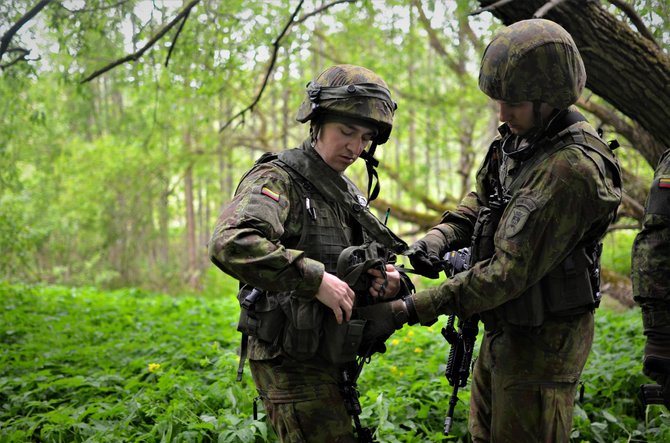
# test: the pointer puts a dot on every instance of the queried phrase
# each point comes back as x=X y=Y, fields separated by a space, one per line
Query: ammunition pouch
x=260 y=315
x=340 y=342
x=302 y=328
x=566 y=290
x=484 y=231
x=302 y=332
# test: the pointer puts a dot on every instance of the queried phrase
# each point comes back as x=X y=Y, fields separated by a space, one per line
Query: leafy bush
x=82 y=365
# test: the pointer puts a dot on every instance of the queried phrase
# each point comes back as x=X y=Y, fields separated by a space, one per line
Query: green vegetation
x=85 y=365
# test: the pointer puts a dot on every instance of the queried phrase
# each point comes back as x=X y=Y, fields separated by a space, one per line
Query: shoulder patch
x=664 y=182
x=518 y=216
x=270 y=193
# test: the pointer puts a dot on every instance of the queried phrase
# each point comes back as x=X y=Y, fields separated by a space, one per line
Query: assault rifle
x=462 y=341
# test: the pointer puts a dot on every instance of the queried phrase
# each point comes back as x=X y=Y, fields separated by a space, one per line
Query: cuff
x=312 y=274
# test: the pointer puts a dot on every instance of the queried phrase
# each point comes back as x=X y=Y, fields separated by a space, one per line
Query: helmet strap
x=370 y=165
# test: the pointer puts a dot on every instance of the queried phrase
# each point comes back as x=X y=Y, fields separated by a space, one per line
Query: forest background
x=126 y=125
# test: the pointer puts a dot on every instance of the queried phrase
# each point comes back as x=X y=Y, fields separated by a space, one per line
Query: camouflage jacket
x=565 y=201
x=259 y=234
x=650 y=266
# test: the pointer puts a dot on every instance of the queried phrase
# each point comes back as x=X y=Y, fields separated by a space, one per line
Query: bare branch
x=176 y=36
x=135 y=56
x=99 y=8
x=18 y=58
x=435 y=42
x=546 y=8
x=275 y=45
x=635 y=18
x=321 y=9
x=7 y=37
x=491 y=7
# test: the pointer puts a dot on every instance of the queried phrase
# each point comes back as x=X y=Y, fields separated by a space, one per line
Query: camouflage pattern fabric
x=534 y=234
x=527 y=366
x=529 y=380
x=303 y=401
x=350 y=91
x=533 y=60
x=650 y=267
x=256 y=240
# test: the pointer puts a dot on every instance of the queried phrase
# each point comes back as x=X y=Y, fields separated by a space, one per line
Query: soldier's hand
x=384 y=285
x=423 y=263
x=337 y=295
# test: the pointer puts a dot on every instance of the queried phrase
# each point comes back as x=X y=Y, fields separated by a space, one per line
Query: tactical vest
x=334 y=217
x=572 y=287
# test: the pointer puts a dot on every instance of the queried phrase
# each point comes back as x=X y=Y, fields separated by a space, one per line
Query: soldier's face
x=518 y=116
x=340 y=144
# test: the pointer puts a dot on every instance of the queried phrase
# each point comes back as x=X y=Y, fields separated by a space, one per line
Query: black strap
x=371 y=164
x=243 y=356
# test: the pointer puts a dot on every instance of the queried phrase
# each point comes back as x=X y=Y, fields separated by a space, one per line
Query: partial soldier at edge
x=650 y=272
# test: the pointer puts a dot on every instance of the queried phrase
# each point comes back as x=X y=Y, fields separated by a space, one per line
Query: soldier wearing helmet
x=650 y=268
x=283 y=236
x=546 y=192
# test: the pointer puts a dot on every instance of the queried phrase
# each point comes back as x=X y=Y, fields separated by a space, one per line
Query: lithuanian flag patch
x=664 y=182
x=270 y=193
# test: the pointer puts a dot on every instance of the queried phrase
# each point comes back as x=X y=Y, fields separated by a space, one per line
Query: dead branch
x=491 y=7
x=7 y=37
x=135 y=56
x=541 y=12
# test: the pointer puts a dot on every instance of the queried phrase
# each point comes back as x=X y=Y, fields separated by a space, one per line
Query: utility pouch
x=483 y=233
x=340 y=342
x=303 y=328
x=260 y=314
x=528 y=310
x=568 y=286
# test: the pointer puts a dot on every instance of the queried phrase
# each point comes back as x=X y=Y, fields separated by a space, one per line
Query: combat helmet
x=533 y=60
x=353 y=92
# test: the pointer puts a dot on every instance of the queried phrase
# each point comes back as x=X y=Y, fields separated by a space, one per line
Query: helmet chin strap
x=371 y=164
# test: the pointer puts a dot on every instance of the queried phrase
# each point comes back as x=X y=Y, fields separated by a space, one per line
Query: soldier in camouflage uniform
x=650 y=270
x=284 y=233
x=546 y=193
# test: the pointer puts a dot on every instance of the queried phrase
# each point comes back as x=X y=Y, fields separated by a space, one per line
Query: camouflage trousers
x=524 y=381
x=303 y=400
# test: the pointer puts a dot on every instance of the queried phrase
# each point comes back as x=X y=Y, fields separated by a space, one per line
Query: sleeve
x=650 y=264
x=246 y=240
x=540 y=227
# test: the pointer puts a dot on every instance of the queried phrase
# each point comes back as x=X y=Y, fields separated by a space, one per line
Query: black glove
x=383 y=319
x=423 y=263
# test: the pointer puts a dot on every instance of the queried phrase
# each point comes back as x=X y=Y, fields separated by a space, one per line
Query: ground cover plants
x=82 y=365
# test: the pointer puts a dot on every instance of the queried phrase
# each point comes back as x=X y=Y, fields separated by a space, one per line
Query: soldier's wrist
x=405 y=312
